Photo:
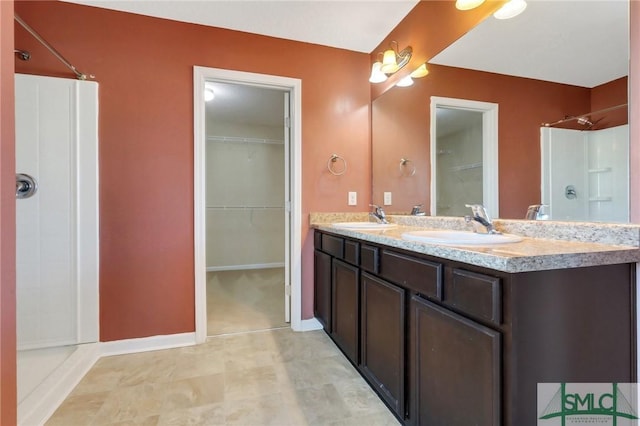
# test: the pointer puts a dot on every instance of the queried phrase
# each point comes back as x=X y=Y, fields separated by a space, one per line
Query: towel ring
x=403 y=164
x=331 y=165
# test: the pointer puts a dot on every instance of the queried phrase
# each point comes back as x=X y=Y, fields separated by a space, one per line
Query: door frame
x=489 y=148
x=294 y=87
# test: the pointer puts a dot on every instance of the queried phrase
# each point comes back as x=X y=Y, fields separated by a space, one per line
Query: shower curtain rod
x=577 y=117
x=79 y=75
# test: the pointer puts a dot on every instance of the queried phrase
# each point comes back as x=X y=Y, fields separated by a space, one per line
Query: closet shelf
x=600 y=170
x=466 y=167
x=233 y=139
x=245 y=207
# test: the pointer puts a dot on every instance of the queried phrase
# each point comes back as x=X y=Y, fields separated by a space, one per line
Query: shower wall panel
x=585 y=174
x=563 y=171
x=608 y=171
x=57 y=228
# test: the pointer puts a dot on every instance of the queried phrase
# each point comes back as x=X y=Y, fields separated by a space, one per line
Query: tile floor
x=275 y=377
x=245 y=300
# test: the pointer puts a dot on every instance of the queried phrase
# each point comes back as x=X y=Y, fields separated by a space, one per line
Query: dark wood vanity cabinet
x=345 y=302
x=454 y=368
x=322 y=289
x=448 y=343
x=383 y=339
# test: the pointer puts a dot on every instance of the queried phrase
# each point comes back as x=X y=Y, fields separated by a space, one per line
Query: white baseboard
x=38 y=406
x=244 y=267
x=310 y=325
x=145 y=344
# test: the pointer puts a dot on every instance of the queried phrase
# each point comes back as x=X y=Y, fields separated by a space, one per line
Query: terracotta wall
x=400 y=129
x=145 y=69
x=8 y=403
x=606 y=96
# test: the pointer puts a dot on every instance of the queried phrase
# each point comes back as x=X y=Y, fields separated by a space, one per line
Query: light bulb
x=405 y=82
x=208 y=94
x=389 y=64
x=468 y=4
x=419 y=72
x=377 y=76
x=511 y=9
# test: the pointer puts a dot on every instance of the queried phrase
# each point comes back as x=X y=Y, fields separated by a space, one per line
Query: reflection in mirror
x=585 y=174
x=458 y=165
x=464 y=156
x=401 y=120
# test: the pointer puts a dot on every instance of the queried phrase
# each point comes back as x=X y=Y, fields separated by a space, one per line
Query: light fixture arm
x=404 y=56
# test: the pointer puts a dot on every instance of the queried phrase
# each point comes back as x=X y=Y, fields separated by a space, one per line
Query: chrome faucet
x=480 y=219
x=378 y=214
x=415 y=211
x=534 y=212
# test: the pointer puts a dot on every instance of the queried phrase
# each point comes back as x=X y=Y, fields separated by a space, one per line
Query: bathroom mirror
x=401 y=119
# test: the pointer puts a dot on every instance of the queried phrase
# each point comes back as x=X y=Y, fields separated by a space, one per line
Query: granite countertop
x=531 y=254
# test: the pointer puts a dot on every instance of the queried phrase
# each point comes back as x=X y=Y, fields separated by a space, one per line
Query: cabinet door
x=383 y=339
x=455 y=366
x=344 y=308
x=322 y=289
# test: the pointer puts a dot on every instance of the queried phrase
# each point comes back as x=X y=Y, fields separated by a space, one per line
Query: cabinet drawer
x=352 y=252
x=370 y=258
x=476 y=294
x=419 y=275
x=317 y=240
x=333 y=245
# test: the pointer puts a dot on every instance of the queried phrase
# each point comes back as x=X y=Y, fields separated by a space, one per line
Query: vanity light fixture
x=377 y=76
x=405 y=82
x=468 y=4
x=421 y=71
x=511 y=9
x=392 y=61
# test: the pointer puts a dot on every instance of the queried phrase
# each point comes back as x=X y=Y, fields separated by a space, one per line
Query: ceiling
x=245 y=104
x=359 y=25
x=583 y=43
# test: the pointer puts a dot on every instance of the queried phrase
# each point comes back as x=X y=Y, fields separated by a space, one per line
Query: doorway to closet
x=246 y=219
x=291 y=91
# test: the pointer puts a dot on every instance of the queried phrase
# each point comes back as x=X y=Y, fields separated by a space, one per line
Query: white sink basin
x=459 y=238
x=363 y=226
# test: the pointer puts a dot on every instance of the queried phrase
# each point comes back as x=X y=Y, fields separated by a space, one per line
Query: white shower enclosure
x=585 y=174
x=57 y=227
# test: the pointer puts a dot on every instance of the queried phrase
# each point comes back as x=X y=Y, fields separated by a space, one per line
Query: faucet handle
x=378 y=209
x=378 y=212
x=479 y=210
x=534 y=212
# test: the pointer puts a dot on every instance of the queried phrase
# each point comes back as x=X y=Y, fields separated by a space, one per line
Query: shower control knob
x=26 y=186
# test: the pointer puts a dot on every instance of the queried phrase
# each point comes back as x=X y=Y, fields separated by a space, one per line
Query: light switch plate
x=387 y=199
x=353 y=198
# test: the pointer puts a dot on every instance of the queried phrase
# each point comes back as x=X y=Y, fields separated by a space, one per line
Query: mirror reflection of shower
x=585 y=169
